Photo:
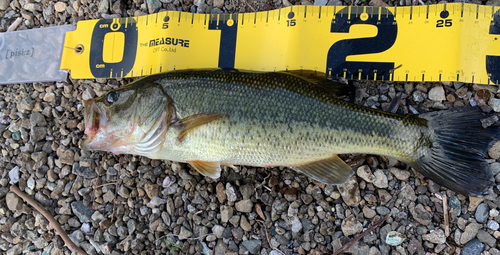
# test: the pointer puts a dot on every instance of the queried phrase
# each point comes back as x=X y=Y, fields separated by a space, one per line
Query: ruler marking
x=279 y=14
x=458 y=77
x=472 y=79
x=179 y=17
x=267 y=17
x=462 y=10
x=439 y=77
x=156 y=20
x=411 y=12
x=423 y=75
x=406 y=77
x=319 y=16
x=427 y=14
x=147 y=18
x=305 y=11
x=477 y=12
x=255 y=18
x=192 y=19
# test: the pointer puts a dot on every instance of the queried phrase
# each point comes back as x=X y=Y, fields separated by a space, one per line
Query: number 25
x=447 y=23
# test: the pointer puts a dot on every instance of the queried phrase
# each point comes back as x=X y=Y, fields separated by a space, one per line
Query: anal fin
x=210 y=169
x=330 y=171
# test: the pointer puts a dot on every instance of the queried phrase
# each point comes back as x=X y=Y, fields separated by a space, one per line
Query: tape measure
x=444 y=42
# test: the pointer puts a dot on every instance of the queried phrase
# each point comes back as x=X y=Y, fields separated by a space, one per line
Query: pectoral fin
x=210 y=169
x=330 y=171
x=191 y=122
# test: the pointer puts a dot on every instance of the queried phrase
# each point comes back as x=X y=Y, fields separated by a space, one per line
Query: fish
x=214 y=118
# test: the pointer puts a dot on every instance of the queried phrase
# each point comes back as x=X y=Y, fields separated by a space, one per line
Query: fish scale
x=322 y=125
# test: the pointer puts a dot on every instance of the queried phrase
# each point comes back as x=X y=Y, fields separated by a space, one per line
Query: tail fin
x=455 y=159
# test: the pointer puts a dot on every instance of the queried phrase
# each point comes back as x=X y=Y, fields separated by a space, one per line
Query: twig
x=267 y=236
x=116 y=187
x=48 y=216
x=102 y=185
x=353 y=241
x=253 y=9
x=445 y=212
x=192 y=238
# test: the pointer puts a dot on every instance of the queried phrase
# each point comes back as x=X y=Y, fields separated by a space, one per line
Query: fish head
x=126 y=117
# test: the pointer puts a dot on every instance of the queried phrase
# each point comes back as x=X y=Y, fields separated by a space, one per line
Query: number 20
x=447 y=23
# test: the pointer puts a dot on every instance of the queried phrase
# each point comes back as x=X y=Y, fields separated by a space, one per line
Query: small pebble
x=394 y=238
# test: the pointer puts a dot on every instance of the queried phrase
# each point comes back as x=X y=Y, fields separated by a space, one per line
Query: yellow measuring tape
x=444 y=42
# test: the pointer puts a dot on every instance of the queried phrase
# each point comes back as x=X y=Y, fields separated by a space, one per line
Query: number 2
x=339 y=51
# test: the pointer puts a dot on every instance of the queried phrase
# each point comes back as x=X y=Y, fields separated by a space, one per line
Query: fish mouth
x=94 y=120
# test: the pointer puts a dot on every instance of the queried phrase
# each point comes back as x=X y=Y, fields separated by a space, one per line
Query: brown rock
x=350 y=192
x=221 y=193
x=152 y=190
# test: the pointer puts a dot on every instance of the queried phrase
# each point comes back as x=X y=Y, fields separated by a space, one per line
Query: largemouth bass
x=217 y=117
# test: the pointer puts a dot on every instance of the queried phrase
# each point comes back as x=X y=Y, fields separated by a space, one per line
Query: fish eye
x=112 y=97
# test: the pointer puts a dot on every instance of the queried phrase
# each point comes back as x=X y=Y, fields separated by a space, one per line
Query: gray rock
x=231 y=193
x=14 y=175
x=244 y=206
x=320 y=2
x=351 y=226
x=14 y=203
x=104 y=6
x=4 y=4
x=184 y=233
x=470 y=232
x=252 y=246
x=482 y=212
x=37 y=119
x=380 y=179
x=218 y=230
x=365 y=173
x=493 y=225
x=15 y=250
x=220 y=248
x=486 y=238
x=473 y=247
x=436 y=237
x=495 y=104
x=420 y=214
x=84 y=213
x=153 y=6
x=247 y=191
x=38 y=134
x=437 y=94
x=382 y=210
x=226 y=213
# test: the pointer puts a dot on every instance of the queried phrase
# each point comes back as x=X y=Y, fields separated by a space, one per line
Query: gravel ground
x=133 y=205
